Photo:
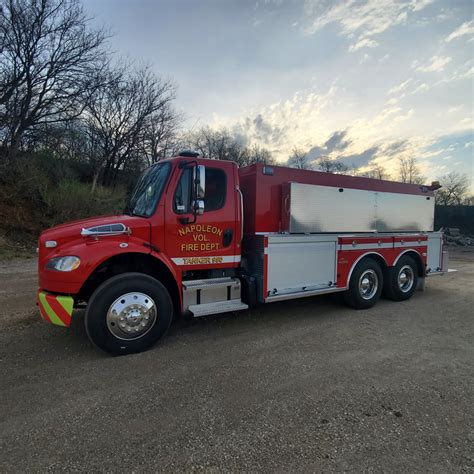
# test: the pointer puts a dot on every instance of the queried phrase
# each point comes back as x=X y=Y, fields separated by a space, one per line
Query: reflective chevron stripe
x=56 y=309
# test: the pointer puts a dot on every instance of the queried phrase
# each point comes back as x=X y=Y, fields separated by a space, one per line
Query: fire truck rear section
x=219 y=239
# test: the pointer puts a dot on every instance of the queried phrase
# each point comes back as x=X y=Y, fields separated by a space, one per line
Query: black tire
x=101 y=319
x=354 y=296
x=394 y=287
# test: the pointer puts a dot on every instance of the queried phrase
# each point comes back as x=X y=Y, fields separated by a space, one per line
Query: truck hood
x=71 y=231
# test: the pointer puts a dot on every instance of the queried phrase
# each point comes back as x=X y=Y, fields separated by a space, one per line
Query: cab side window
x=216 y=184
x=183 y=193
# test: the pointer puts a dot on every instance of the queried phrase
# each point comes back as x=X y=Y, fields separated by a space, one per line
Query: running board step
x=210 y=283
x=216 y=307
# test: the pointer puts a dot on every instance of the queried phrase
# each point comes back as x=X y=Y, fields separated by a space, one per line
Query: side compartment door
x=209 y=240
x=299 y=263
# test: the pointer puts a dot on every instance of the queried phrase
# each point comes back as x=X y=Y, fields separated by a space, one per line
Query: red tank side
x=262 y=192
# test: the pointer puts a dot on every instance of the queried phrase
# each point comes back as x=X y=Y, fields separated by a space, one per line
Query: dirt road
x=301 y=385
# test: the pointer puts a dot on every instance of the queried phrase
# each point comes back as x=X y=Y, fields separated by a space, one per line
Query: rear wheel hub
x=368 y=284
x=406 y=278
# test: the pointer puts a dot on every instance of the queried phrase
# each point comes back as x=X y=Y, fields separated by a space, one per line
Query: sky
x=365 y=82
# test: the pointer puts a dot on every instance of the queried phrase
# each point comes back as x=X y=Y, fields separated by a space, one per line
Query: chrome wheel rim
x=131 y=316
x=368 y=284
x=405 y=278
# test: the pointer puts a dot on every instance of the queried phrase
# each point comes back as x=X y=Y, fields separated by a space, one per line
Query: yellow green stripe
x=66 y=302
x=52 y=316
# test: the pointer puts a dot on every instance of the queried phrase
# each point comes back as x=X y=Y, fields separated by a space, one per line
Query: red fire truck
x=203 y=237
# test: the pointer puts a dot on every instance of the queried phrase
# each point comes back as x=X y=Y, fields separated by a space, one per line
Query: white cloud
x=300 y=120
x=400 y=87
x=363 y=43
x=465 y=71
x=463 y=74
x=418 y=5
x=466 y=29
x=456 y=108
x=364 y=58
x=423 y=87
x=362 y=20
x=435 y=64
x=373 y=136
x=309 y=118
x=467 y=122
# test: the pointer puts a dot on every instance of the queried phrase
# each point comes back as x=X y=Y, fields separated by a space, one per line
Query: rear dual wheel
x=367 y=282
x=365 y=285
x=401 y=280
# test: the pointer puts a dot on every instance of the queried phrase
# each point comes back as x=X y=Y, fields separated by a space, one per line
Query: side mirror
x=198 y=194
x=199 y=180
x=198 y=207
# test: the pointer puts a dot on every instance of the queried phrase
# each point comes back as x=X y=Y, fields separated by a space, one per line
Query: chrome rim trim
x=131 y=316
x=405 y=278
x=368 y=284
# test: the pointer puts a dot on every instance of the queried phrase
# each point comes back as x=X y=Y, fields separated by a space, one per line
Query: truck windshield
x=148 y=190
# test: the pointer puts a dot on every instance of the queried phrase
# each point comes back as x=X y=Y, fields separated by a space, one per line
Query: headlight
x=63 y=264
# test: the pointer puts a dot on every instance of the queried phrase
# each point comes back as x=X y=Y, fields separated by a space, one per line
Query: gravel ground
x=304 y=385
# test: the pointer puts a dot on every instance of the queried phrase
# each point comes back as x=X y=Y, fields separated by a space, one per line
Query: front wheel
x=128 y=313
x=365 y=285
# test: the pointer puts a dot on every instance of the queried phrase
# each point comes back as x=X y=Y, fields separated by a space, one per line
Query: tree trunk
x=14 y=146
x=94 y=181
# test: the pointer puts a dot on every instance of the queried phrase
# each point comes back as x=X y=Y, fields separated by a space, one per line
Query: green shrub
x=39 y=190
x=71 y=200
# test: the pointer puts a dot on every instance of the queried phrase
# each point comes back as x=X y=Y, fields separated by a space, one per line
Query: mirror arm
x=186 y=220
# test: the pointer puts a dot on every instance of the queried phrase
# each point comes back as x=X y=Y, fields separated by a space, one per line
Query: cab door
x=210 y=240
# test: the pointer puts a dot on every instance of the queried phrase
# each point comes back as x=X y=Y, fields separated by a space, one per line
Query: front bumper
x=55 y=309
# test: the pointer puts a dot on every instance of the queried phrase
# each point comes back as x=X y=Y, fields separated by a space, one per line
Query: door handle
x=227 y=239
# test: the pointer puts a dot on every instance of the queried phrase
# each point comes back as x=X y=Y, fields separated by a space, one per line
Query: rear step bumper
x=449 y=270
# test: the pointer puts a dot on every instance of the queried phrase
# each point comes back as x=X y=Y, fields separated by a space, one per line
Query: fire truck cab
x=203 y=237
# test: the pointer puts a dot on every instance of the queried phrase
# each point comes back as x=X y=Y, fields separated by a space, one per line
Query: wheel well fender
x=133 y=262
x=374 y=256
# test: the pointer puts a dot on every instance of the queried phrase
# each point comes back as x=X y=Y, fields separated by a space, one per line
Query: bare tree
x=119 y=118
x=259 y=154
x=377 y=172
x=213 y=144
x=454 y=191
x=409 y=171
x=48 y=58
x=239 y=152
x=299 y=159
x=468 y=200
x=332 y=166
x=222 y=145
x=160 y=134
